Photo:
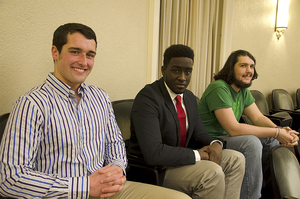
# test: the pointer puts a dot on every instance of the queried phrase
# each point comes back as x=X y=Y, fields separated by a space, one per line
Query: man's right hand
x=204 y=153
x=288 y=137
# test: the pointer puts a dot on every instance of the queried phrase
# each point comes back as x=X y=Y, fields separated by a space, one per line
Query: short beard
x=240 y=84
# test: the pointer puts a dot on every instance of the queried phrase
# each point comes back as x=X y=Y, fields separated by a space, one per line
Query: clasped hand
x=106 y=181
x=211 y=152
x=288 y=137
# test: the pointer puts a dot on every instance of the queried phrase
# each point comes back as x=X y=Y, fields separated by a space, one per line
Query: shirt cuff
x=197 y=155
x=119 y=163
x=221 y=143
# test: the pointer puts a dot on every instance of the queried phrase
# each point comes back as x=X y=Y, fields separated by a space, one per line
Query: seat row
x=284 y=162
x=283 y=102
x=283 y=112
x=286 y=101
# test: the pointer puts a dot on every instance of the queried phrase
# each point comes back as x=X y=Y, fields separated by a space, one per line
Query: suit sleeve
x=199 y=135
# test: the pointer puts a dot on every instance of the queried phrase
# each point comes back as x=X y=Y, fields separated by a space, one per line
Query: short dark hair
x=227 y=72
x=177 y=50
x=61 y=33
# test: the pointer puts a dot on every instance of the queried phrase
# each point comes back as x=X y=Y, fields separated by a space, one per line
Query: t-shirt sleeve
x=249 y=99
x=218 y=98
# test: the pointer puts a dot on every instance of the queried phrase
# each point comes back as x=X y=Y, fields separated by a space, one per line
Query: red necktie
x=182 y=120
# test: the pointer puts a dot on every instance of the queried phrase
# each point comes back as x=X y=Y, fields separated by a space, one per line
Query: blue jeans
x=256 y=152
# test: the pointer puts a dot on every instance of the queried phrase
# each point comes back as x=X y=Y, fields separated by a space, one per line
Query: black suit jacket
x=155 y=129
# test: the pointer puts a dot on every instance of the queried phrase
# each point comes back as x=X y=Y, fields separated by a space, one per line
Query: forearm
x=115 y=147
x=116 y=154
x=263 y=128
x=264 y=121
x=21 y=182
x=281 y=135
x=258 y=131
x=164 y=155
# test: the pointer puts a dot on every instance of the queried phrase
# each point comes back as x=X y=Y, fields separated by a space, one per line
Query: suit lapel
x=170 y=105
x=189 y=112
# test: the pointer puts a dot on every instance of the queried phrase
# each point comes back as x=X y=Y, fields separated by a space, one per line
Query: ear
x=163 y=70
x=55 y=53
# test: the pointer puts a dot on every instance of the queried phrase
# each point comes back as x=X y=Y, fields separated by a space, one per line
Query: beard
x=240 y=84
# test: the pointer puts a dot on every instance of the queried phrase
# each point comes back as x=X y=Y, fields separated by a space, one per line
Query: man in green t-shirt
x=220 y=109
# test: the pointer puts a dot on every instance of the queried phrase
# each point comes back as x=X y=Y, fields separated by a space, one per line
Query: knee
x=215 y=180
x=235 y=159
x=174 y=194
x=212 y=183
x=208 y=170
x=216 y=171
x=239 y=161
x=252 y=144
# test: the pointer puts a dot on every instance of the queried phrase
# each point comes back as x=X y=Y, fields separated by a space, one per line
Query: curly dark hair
x=61 y=33
x=227 y=72
x=177 y=50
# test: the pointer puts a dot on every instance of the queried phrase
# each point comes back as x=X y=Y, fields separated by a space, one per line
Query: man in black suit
x=195 y=162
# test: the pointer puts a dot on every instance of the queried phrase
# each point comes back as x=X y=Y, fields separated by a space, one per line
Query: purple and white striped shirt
x=51 y=145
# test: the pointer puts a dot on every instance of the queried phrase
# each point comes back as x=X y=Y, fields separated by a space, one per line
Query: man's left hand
x=215 y=152
x=107 y=181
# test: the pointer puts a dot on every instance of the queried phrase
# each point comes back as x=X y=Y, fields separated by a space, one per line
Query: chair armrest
x=139 y=162
x=281 y=119
x=289 y=197
x=274 y=117
x=140 y=171
x=296 y=111
x=286 y=110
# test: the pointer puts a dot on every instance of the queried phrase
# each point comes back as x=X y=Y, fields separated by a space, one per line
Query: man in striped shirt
x=61 y=139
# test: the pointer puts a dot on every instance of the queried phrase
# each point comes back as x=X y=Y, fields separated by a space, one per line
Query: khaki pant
x=135 y=190
x=208 y=180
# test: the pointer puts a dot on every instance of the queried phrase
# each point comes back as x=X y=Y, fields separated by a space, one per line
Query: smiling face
x=244 y=71
x=75 y=61
x=177 y=74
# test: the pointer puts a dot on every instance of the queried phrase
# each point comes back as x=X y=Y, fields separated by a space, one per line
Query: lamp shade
x=282 y=14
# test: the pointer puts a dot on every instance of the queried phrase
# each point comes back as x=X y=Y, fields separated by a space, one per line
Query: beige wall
x=277 y=60
x=122 y=55
x=26 y=37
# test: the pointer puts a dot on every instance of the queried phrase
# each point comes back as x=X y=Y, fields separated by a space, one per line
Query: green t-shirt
x=218 y=95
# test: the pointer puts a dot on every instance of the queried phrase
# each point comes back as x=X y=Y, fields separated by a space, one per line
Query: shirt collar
x=171 y=93
x=61 y=88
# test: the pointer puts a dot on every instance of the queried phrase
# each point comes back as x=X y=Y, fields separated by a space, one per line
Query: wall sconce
x=282 y=15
